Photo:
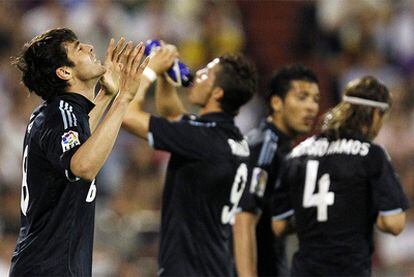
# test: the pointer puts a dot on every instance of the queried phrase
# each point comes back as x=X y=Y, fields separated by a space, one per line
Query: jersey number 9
x=227 y=214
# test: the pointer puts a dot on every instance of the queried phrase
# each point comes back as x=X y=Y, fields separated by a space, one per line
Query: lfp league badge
x=69 y=140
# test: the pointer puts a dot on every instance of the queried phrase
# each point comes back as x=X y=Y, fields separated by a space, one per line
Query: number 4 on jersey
x=324 y=197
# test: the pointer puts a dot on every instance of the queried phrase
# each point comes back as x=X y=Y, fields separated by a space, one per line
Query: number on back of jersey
x=91 y=193
x=324 y=197
x=24 y=198
x=228 y=212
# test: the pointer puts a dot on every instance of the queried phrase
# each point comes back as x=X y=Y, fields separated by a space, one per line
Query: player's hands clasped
x=113 y=63
x=132 y=71
x=162 y=58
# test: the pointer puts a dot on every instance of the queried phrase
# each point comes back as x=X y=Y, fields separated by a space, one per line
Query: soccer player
x=60 y=155
x=207 y=171
x=293 y=99
x=339 y=184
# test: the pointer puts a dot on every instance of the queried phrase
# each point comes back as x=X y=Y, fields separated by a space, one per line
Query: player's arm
x=109 y=81
x=101 y=101
x=283 y=227
x=388 y=195
x=282 y=210
x=245 y=249
x=136 y=120
x=279 y=227
x=167 y=101
x=393 y=224
x=90 y=156
x=249 y=209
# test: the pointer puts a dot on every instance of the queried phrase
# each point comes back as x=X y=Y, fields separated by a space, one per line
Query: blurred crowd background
x=339 y=39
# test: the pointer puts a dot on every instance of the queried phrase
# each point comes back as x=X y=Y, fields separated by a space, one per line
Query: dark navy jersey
x=268 y=149
x=336 y=188
x=205 y=179
x=57 y=208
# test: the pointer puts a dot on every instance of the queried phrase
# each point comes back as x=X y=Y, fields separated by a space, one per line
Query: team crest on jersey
x=69 y=140
x=259 y=181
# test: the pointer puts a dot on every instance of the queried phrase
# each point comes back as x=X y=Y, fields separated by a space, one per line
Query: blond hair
x=347 y=119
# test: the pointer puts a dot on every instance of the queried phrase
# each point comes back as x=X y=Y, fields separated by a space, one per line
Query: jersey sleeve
x=252 y=199
x=60 y=138
x=184 y=137
x=282 y=208
x=261 y=158
x=387 y=192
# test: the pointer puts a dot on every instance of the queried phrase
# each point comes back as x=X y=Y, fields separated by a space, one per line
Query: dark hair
x=238 y=79
x=39 y=60
x=350 y=119
x=280 y=82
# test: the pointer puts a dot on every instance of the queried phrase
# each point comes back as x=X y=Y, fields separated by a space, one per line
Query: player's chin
x=191 y=95
x=101 y=70
x=195 y=101
x=304 y=129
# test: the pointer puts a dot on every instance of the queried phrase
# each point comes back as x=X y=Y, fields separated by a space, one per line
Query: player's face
x=300 y=107
x=87 y=66
x=203 y=83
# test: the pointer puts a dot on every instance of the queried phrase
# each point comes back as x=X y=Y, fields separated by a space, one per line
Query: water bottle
x=178 y=74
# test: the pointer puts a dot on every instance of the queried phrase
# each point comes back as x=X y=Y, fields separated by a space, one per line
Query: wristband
x=150 y=74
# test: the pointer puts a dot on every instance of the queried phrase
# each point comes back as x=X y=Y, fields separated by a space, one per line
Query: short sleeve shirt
x=336 y=188
x=57 y=208
x=206 y=175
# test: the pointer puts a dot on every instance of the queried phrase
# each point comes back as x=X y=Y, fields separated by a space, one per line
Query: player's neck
x=279 y=124
x=211 y=107
x=206 y=111
x=86 y=89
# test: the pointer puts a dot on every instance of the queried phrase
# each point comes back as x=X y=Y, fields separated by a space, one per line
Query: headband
x=365 y=102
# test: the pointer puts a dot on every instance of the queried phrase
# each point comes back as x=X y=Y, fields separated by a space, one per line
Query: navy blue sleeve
x=388 y=195
x=281 y=201
x=60 y=138
x=259 y=168
x=252 y=198
x=186 y=138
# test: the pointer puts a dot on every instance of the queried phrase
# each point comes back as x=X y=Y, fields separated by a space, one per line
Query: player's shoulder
x=261 y=134
x=38 y=113
x=321 y=146
x=58 y=104
x=52 y=115
x=302 y=148
x=378 y=161
x=255 y=136
x=379 y=152
x=36 y=120
x=60 y=114
x=196 y=121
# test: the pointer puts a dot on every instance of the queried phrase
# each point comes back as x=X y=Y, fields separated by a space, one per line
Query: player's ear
x=376 y=116
x=276 y=103
x=64 y=73
x=217 y=93
x=376 y=123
